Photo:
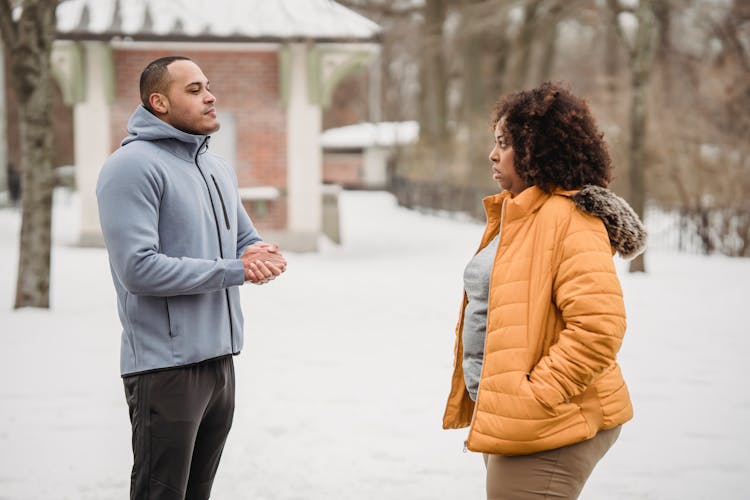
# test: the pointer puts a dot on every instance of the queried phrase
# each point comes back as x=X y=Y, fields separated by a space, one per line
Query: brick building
x=273 y=66
x=362 y=155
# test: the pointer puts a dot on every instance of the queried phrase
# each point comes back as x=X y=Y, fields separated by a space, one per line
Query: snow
x=223 y=18
x=365 y=135
x=346 y=367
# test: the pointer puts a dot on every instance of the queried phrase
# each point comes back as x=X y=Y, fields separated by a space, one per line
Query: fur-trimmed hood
x=626 y=231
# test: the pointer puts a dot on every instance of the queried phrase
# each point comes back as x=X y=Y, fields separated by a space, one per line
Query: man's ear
x=159 y=103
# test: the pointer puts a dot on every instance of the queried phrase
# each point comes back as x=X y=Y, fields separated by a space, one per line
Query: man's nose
x=210 y=97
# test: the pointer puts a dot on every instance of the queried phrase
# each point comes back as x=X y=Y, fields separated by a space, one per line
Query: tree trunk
x=30 y=40
x=499 y=48
x=642 y=57
x=611 y=61
x=3 y=131
x=476 y=105
x=32 y=287
x=549 y=41
x=433 y=110
x=526 y=37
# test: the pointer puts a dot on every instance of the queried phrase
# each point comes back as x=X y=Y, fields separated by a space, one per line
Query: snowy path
x=345 y=370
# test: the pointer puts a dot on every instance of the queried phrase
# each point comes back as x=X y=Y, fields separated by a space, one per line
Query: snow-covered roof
x=363 y=135
x=218 y=20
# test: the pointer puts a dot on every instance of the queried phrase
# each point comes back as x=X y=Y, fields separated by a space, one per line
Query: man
x=180 y=244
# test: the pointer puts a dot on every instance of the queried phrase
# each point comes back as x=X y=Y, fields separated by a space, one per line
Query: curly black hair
x=555 y=141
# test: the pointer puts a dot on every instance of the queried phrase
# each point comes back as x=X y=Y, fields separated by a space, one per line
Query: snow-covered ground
x=346 y=366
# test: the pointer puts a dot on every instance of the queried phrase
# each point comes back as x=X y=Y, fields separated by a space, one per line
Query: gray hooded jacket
x=174 y=228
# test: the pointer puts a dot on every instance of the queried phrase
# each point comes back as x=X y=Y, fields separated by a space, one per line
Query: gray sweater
x=477 y=286
x=174 y=228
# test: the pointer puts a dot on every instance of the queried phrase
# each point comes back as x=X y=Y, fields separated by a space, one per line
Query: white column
x=304 y=157
x=374 y=97
x=374 y=171
x=91 y=119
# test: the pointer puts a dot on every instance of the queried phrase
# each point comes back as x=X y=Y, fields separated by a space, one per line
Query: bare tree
x=641 y=55
x=500 y=53
x=482 y=45
x=670 y=60
x=399 y=54
x=433 y=78
x=523 y=45
x=28 y=38
x=704 y=168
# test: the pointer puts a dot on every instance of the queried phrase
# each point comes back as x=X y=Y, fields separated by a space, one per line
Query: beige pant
x=558 y=473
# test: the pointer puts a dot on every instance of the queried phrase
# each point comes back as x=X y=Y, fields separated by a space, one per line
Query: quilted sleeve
x=587 y=292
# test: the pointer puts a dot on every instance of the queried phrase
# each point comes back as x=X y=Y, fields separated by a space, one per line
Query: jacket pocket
x=534 y=407
x=128 y=340
x=175 y=316
x=221 y=199
x=149 y=320
x=170 y=328
x=200 y=327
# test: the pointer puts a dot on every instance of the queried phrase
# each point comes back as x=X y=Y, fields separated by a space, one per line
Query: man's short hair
x=154 y=77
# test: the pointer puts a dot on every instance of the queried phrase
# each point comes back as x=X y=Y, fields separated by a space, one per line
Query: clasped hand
x=263 y=262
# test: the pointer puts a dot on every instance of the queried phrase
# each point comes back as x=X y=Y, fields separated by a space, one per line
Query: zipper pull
x=465 y=448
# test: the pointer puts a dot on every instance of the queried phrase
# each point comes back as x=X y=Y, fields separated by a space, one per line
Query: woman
x=536 y=376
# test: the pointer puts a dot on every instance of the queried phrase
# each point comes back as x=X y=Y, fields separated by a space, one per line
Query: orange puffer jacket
x=555 y=321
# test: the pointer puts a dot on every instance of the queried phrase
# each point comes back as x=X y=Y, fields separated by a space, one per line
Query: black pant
x=180 y=419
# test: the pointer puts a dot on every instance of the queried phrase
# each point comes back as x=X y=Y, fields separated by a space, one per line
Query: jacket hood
x=626 y=231
x=144 y=126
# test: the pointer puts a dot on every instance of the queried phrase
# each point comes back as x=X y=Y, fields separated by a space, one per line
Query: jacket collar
x=526 y=202
x=144 y=126
x=627 y=233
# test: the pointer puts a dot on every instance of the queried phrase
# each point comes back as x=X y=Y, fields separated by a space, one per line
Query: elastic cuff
x=234 y=274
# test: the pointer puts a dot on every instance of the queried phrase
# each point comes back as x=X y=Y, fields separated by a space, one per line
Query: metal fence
x=440 y=197
x=704 y=231
x=700 y=231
